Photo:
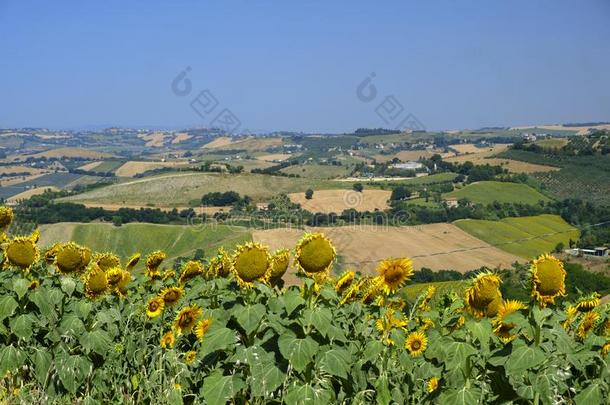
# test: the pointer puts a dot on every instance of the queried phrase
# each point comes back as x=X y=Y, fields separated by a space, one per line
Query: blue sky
x=287 y=65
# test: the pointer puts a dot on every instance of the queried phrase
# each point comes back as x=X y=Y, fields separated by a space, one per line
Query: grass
x=108 y=166
x=175 y=240
x=486 y=192
x=499 y=233
x=178 y=189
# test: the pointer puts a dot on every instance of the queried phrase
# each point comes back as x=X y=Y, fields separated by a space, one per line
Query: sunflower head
x=548 y=279
x=6 y=217
x=393 y=273
x=71 y=258
x=190 y=357
x=168 y=275
x=587 y=303
x=587 y=324
x=432 y=384
x=171 y=295
x=430 y=291
x=155 y=307
x=220 y=265
x=416 y=343
x=251 y=262
x=114 y=275
x=190 y=270
x=50 y=253
x=168 y=340
x=605 y=348
x=133 y=261
x=122 y=286
x=202 y=327
x=186 y=319
x=344 y=281
x=279 y=264
x=483 y=293
x=21 y=252
x=503 y=329
x=96 y=283
x=107 y=260
x=34 y=284
x=371 y=289
x=153 y=261
x=315 y=254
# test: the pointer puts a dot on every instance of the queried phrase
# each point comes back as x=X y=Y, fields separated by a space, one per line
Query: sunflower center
x=416 y=345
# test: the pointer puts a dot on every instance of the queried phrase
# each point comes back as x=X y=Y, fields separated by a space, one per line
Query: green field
x=500 y=233
x=316 y=171
x=486 y=192
x=108 y=166
x=175 y=240
x=179 y=189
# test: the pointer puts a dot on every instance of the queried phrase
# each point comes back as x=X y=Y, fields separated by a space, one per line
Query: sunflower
x=315 y=254
x=133 y=261
x=605 y=349
x=71 y=258
x=155 y=307
x=121 y=288
x=423 y=306
x=168 y=274
x=393 y=273
x=153 y=261
x=251 y=262
x=416 y=343
x=186 y=319
x=190 y=270
x=371 y=290
x=432 y=384
x=220 y=265
x=279 y=264
x=458 y=323
x=190 y=357
x=502 y=329
x=425 y=324
x=388 y=322
x=351 y=293
x=114 y=276
x=21 y=252
x=587 y=303
x=485 y=290
x=168 y=340
x=587 y=324
x=50 y=253
x=548 y=279
x=571 y=314
x=202 y=327
x=107 y=260
x=6 y=217
x=34 y=284
x=96 y=283
x=344 y=281
x=171 y=295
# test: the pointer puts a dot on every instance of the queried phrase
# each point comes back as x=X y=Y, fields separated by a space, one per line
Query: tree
x=358 y=187
x=309 y=194
x=117 y=220
x=559 y=247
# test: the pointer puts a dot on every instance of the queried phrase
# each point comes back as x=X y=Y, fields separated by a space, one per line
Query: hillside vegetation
x=498 y=233
x=486 y=192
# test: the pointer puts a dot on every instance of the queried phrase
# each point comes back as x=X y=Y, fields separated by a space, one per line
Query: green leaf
x=299 y=352
x=21 y=286
x=307 y=395
x=7 y=306
x=523 y=358
x=464 y=396
x=590 y=395
x=41 y=299
x=382 y=389
x=481 y=330
x=72 y=325
x=457 y=353
x=219 y=389
x=541 y=314
x=22 y=326
x=11 y=359
x=217 y=339
x=372 y=351
x=320 y=318
x=68 y=285
x=266 y=378
x=42 y=361
x=250 y=317
x=336 y=362
x=97 y=341
x=72 y=370
x=292 y=300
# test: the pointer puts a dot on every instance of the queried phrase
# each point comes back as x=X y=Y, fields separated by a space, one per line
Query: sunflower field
x=82 y=327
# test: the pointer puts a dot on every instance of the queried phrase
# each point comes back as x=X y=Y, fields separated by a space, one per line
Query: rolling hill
x=501 y=233
x=486 y=192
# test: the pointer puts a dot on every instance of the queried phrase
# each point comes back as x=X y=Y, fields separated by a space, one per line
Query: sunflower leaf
x=249 y=317
x=523 y=358
x=219 y=389
x=20 y=286
x=300 y=352
x=7 y=306
x=336 y=362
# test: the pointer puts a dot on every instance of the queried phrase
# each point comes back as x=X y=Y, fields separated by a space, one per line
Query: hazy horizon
x=298 y=67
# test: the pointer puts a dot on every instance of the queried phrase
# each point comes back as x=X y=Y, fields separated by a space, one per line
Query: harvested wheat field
x=516 y=166
x=7 y=170
x=180 y=137
x=154 y=140
x=367 y=244
x=66 y=152
x=218 y=143
x=482 y=156
x=338 y=200
x=29 y=193
x=90 y=166
x=133 y=168
x=275 y=157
